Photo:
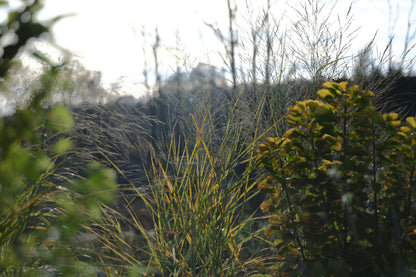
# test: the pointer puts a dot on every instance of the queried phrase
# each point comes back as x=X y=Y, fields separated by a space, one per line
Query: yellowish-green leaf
x=404 y=135
x=343 y=85
x=263 y=148
x=293 y=118
x=269 y=232
x=327 y=136
x=395 y=123
x=265 y=206
x=301 y=105
x=337 y=146
x=390 y=116
x=330 y=84
x=323 y=93
x=295 y=109
x=406 y=129
x=276 y=196
x=411 y=121
x=273 y=142
x=264 y=185
x=313 y=103
x=369 y=93
x=289 y=133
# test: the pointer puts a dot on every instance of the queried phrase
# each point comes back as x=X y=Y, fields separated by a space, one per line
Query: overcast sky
x=105 y=35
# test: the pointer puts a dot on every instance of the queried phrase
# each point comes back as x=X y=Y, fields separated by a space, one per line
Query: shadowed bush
x=341 y=188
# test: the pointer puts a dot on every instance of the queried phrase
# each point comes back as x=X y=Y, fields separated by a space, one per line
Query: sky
x=106 y=35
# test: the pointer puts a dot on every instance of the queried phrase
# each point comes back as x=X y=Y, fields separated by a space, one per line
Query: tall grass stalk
x=196 y=199
x=197 y=211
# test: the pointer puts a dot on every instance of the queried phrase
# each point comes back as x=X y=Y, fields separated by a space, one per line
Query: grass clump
x=197 y=223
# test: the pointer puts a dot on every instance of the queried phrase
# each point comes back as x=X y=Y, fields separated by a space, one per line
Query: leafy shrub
x=341 y=187
x=39 y=220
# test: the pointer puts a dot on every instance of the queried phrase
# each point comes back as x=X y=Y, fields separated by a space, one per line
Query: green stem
x=292 y=213
x=377 y=227
x=345 y=186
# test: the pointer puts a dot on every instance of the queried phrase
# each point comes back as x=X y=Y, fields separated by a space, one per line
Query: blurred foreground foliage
x=39 y=220
x=341 y=188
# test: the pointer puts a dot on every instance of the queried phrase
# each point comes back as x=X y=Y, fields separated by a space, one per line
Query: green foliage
x=22 y=23
x=40 y=220
x=341 y=187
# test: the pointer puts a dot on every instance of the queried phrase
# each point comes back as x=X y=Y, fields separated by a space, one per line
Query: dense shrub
x=341 y=187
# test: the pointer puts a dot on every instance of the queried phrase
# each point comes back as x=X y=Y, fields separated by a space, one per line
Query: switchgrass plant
x=197 y=210
x=194 y=217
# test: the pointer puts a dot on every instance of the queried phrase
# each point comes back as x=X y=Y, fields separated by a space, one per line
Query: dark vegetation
x=342 y=198
x=188 y=183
